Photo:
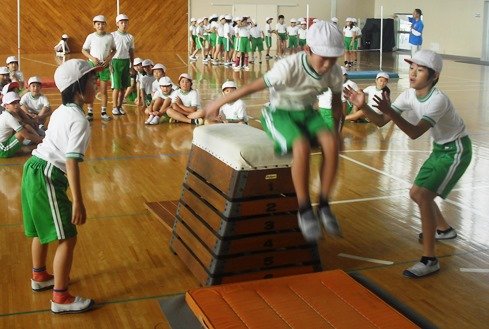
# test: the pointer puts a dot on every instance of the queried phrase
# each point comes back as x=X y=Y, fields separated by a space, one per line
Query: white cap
x=193 y=19
x=228 y=17
x=9 y=87
x=354 y=20
x=121 y=17
x=147 y=62
x=315 y=20
x=268 y=18
x=11 y=59
x=184 y=75
x=64 y=36
x=427 y=58
x=165 y=81
x=325 y=39
x=33 y=79
x=159 y=67
x=334 y=19
x=344 y=70
x=137 y=61
x=222 y=17
x=213 y=16
x=71 y=71
x=303 y=22
x=229 y=84
x=382 y=75
x=348 y=19
x=99 y=18
x=200 y=20
x=238 y=18
x=9 y=98
x=4 y=70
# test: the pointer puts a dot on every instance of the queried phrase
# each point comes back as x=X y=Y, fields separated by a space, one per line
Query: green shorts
x=293 y=41
x=302 y=42
x=10 y=147
x=285 y=127
x=327 y=115
x=121 y=75
x=347 y=43
x=257 y=43
x=213 y=39
x=225 y=43
x=445 y=165
x=103 y=75
x=282 y=36
x=268 y=41
x=243 y=45
x=45 y=205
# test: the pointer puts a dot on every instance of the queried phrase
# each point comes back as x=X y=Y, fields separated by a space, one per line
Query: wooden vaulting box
x=236 y=218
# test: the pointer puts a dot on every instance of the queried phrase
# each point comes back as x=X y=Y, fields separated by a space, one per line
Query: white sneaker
x=105 y=117
x=89 y=116
x=149 y=120
x=42 y=285
x=42 y=127
x=421 y=269
x=246 y=68
x=442 y=235
x=121 y=111
x=115 y=111
x=155 y=120
x=309 y=225
x=79 y=305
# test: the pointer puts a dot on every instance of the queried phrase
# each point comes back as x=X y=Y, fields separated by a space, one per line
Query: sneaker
x=329 y=221
x=192 y=58
x=42 y=285
x=79 y=305
x=237 y=68
x=115 y=111
x=89 y=116
x=148 y=120
x=246 y=68
x=105 y=117
x=421 y=269
x=309 y=225
x=121 y=111
x=442 y=235
x=197 y=122
x=155 y=120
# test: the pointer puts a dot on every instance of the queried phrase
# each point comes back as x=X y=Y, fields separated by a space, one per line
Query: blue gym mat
x=370 y=75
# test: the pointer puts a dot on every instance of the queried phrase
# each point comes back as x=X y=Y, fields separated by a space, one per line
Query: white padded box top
x=240 y=146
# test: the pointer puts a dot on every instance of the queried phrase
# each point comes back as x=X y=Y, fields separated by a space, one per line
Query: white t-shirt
x=190 y=98
x=294 y=85
x=371 y=92
x=66 y=138
x=437 y=109
x=348 y=32
x=146 y=84
x=325 y=100
x=268 y=30
x=256 y=32
x=124 y=42
x=280 y=28
x=17 y=76
x=35 y=104
x=220 y=29
x=62 y=47
x=8 y=124
x=292 y=30
x=99 y=46
x=302 y=33
x=159 y=94
x=243 y=32
x=234 y=111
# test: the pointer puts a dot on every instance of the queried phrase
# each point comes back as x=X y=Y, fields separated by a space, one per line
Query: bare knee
x=420 y=194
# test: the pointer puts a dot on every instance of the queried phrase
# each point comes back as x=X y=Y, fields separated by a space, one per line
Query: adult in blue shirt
x=416 y=34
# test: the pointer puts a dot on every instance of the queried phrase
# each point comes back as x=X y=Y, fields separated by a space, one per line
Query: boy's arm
x=212 y=109
x=358 y=98
x=337 y=108
x=79 y=215
x=28 y=133
x=94 y=60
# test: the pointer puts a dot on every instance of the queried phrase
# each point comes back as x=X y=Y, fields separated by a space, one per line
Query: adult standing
x=416 y=34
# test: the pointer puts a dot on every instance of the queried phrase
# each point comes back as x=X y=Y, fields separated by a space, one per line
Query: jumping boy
x=292 y=123
x=47 y=212
x=121 y=63
x=450 y=156
x=99 y=48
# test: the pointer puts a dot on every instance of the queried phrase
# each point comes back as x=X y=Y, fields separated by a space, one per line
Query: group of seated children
x=22 y=119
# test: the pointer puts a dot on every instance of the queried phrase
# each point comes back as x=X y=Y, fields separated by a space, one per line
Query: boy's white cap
x=184 y=75
x=228 y=17
x=268 y=18
x=64 y=36
x=158 y=67
x=33 y=79
x=165 y=81
x=427 y=58
x=303 y=22
x=222 y=17
x=9 y=87
x=99 y=18
x=334 y=20
x=121 y=17
x=200 y=20
x=344 y=70
x=213 y=16
x=137 y=61
x=315 y=20
x=147 y=62
x=325 y=39
x=238 y=18
x=10 y=97
x=4 y=70
x=229 y=84
x=348 y=19
x=71 y=71
x=293 y=20
x=11 y=59
x=354 y=20
x=382 y=75
x=193 y=19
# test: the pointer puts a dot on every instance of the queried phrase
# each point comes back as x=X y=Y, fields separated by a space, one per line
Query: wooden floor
x=123 y=260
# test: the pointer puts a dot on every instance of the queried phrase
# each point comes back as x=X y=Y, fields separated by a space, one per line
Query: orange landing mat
x=329 y=299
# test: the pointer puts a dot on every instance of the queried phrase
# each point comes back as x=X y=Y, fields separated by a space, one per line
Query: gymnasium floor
x=123 y=261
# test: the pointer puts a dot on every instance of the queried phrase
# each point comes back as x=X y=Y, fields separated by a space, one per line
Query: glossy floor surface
x=122 y=259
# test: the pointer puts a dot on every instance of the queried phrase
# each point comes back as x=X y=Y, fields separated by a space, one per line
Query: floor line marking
x=181 y=59
x=474 y=270
x=37 y=61
x=370 y=260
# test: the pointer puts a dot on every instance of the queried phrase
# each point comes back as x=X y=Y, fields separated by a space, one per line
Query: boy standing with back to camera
x=290 y=120
x=449 y=158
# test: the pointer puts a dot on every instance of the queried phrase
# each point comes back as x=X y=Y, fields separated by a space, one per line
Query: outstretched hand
x=384 y=103
x=355 y=97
